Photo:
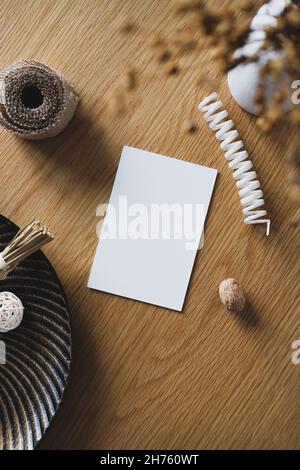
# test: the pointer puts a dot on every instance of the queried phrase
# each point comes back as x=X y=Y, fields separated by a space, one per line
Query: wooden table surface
x=143 y=376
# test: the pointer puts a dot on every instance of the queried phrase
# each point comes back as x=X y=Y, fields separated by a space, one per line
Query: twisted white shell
x=11 y=311
x=249 y=187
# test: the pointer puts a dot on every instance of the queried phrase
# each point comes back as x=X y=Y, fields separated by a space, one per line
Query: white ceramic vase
x=243 y=79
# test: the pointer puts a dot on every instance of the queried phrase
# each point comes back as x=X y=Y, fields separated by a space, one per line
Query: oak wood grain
x=142 y=376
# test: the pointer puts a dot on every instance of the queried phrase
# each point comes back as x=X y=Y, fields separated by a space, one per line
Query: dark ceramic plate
x=38 y=353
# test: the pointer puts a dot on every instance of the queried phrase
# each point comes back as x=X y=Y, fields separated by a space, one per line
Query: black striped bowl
x=38 y=353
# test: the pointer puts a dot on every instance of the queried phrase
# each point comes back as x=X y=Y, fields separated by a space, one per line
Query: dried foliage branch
x=227 y=31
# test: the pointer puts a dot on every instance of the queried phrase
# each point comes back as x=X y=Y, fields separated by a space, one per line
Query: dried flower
x=171 y=68
x=155 y=40
x=130 y=79
x=294 y=191
x=295 y=221
x=187 y=6
x=184 y=41
x=162 y=54
x=117 y=103
x=264 y=124
x=293 y=158
x=189 y=126
x=127 y=25
x=295 y=115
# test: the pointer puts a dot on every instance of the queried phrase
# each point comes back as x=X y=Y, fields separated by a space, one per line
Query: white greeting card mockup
x=152 y=228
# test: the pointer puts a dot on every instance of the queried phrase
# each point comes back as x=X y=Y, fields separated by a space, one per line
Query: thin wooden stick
x=28 y=240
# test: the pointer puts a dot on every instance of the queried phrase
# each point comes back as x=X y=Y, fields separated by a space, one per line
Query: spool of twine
x=36 y=102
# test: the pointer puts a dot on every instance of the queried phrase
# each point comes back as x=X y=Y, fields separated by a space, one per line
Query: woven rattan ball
x=11 y=311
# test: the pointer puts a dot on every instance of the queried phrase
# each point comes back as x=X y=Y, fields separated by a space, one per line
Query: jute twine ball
x=36 y=102
x=232 y=295
x=11 y=311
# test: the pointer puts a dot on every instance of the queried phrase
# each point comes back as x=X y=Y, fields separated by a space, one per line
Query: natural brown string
x=36 y=102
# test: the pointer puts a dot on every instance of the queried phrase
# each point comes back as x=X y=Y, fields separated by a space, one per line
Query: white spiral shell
x=11 y=311
x=247 y=183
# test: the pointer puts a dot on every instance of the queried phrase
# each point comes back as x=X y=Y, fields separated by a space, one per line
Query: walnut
x=232 y=295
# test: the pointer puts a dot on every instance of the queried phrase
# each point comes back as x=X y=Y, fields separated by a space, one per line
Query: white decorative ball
x=11 y=311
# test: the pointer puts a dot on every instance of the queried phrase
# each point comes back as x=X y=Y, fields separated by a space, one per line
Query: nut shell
x=232 y=295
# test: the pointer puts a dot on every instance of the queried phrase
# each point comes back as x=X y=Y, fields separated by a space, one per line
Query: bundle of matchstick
x=28 y=240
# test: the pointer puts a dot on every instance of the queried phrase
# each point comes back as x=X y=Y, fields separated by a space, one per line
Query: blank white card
x=152 y=228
